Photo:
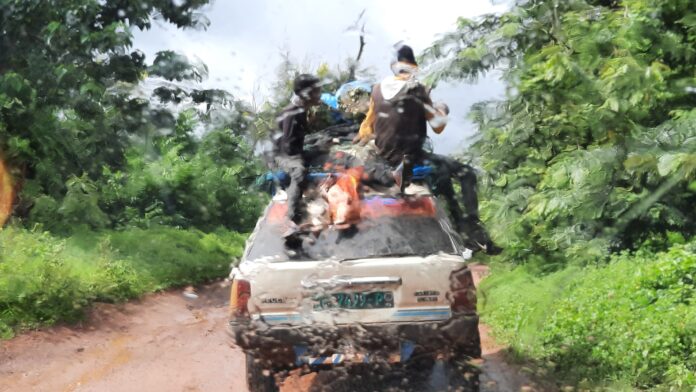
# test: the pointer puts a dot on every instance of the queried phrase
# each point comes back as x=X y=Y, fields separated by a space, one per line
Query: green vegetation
x=631 y=322
x=130 y=177
x=593 y=148
x=45 y=279
x=85 y=142
x=588 y=182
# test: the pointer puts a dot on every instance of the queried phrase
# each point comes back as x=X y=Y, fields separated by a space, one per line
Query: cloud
x=243 y=44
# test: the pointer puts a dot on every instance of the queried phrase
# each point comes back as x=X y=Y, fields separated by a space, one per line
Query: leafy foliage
x=116 y=156
x=632 y=321
x=87 y=143
x=44 y=279
x=265 y=125
x=204 y=188
x=593 y=149
x=591 y=152
x=58 y=61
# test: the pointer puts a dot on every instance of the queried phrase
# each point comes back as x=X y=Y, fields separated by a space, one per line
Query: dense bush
x=200 y=183
x=632 y=321
x=590 y=154
x=592 y=149
x=176 y=257
x=69 y=102
x=37 y=285
x=95 y=136
x=45 y=279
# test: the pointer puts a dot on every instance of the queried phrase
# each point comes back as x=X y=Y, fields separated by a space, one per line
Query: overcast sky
x=243 y=44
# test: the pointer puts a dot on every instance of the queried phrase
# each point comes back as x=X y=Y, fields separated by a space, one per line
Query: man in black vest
x=398 y=116
x=399 y=111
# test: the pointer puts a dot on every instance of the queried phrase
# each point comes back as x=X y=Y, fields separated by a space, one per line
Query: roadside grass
x=628 y=324
x=45 y=279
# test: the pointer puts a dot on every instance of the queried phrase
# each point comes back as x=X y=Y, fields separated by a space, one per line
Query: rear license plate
x=356 y=300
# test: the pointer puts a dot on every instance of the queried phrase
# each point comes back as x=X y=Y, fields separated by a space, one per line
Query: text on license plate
x=356 y=300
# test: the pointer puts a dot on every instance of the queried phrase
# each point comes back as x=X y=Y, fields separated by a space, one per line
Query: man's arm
x=439 y=119
x=436 y=114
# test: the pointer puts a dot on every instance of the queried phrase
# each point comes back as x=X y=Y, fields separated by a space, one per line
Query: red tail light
x=239 y=298
x=462 y=291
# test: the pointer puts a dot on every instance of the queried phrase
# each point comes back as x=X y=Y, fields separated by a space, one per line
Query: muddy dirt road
x=170 y=342
x=165 y=342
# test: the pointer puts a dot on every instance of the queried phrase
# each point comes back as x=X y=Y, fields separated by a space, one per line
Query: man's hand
x=438 y=116
x=442 y=108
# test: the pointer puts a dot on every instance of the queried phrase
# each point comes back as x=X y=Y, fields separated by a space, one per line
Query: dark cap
x=304 y=83
x=404 y=54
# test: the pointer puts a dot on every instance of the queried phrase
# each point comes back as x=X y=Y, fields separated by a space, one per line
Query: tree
x=61 y=113
x=594 y=147
x=79 y=106
x=265 y=125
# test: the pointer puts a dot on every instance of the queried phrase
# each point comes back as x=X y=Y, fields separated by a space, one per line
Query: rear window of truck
x=378 y=237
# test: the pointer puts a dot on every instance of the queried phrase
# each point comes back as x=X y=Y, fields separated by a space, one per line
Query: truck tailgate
x=378 y=290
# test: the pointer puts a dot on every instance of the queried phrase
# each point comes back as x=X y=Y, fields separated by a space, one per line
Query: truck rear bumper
x=289 y=344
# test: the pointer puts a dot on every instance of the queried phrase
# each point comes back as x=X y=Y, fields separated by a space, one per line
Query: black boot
x=476 y=237
x=404 y=173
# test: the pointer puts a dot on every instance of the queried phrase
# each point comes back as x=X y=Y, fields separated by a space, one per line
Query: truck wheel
x=470 y=347
x=465 y=341
x=421 y=360
x=459 y=364
x=257 y=381
x=464 y=376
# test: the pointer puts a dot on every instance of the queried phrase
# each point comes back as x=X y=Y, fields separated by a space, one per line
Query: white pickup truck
x=393 y=287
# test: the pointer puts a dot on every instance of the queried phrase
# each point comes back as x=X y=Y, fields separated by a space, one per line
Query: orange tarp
x=371 y=208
